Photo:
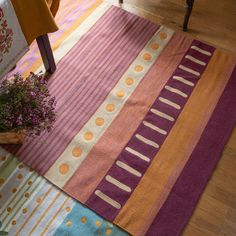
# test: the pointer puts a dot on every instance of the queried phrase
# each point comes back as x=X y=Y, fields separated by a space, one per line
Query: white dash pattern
x=162 y=115
x=170 y=103
x=117 y=183
x=201 y=50
x=191 y=58
x=177 y=91
x=138 y=154
x=128 y=168
x=189 y=70
x=147 y=141
x=107 y=199
x=153 y=127
x=184 y=81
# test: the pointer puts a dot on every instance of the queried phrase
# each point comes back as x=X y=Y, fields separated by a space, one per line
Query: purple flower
x=33 y=94
x=19 y=120
x=26 y=104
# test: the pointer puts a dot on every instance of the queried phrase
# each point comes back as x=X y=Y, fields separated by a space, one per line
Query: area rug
x=143 y=116
x=31 y=205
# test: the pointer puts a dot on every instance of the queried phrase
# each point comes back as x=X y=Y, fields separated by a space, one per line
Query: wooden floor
x=213 y=22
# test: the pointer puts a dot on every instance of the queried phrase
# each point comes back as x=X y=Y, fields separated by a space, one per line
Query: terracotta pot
x=12 y=137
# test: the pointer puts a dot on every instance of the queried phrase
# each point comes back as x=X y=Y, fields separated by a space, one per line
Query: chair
x=187 y=13
x=37 y=20
x=46 y=53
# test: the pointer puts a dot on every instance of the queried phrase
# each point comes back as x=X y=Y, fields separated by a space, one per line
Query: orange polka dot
x=13 y=222
x=97 y=223
x=110 y=107
x=24 y=210
x=88 y=136
x=27 y=195
x=154 y=46
x=38 y=200
x=138 y=68
x=2 y=181
x=147 y=57
x=31 y=169
x=68 y=223
x=13 y=190
x=76 y=152
x=30 y=182
x=120 y=94
x=84 y=220
x=20 y=176
x=20 y=166
x=68 y=209
x=9 y=209
x=129 y=81
x=163 y=35
x=108 y=231
x=64 y=168
x=99 y=121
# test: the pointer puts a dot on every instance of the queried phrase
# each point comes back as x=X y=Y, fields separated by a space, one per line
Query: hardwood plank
x=214 y=23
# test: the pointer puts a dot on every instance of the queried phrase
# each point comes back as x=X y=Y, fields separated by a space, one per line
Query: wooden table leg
x=46 y=53
x=187 y=14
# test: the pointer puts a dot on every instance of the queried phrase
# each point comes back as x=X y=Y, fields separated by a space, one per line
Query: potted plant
x=26 y=108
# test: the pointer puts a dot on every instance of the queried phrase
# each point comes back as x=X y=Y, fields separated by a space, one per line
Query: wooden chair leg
x=187 y=14
x=46 y=53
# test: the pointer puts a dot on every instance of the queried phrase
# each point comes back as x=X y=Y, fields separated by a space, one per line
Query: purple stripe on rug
x=84 y=78
x=177 y=209
x=119 y=183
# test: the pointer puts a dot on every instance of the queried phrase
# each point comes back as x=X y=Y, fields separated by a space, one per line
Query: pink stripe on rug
x=176 y=211
x=84 y=78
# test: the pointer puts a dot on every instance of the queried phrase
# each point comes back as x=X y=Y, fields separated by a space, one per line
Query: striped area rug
x=143 y=116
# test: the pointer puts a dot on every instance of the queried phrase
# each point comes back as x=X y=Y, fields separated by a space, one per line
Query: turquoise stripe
x=82 y=221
